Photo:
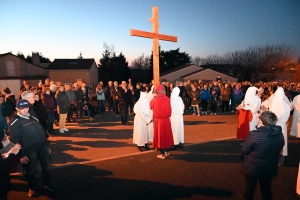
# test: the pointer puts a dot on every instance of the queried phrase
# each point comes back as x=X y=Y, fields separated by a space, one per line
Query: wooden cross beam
x=156 y=37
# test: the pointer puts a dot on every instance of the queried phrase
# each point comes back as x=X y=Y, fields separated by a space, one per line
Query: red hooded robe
x=163 y=137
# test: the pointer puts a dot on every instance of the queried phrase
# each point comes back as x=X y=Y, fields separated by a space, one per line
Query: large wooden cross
x=155 y=36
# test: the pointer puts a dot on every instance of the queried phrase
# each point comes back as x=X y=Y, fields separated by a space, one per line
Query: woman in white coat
x=142 y=119
x=295 y=130
x=176 y=118
x=281 y=109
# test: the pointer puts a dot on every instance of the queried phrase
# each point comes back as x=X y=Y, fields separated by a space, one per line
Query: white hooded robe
x=176 y=118
x=151 y=125
x=295 y=130
x=252 y=102
x=281 y=109
x=141 y=119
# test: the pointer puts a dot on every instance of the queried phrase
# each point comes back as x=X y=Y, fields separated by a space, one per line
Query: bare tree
x=142 y=62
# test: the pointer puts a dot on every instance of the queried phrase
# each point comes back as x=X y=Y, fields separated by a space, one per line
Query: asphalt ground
x=97 y=160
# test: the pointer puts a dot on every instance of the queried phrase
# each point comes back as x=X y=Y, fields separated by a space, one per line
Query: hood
x=175 y=93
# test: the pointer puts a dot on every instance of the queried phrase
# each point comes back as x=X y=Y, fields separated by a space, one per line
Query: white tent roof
x=177 y=74
x=208 y=75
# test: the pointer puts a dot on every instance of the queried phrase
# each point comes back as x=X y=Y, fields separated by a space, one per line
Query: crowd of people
x=158 y=115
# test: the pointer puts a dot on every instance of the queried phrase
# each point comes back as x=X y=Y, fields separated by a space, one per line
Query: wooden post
x=156 y=37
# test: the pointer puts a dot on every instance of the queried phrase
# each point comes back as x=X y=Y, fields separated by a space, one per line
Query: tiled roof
x=9 y=53
x=71 y=64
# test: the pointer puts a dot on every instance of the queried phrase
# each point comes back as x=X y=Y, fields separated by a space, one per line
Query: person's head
x=159 y=89
x=193 y=86
x=53 y=87
x=27 y=86
x=47 y=81
x=268 y=118
x=99 y=86
x=110 y=83
x=36 y=97
x=116 y=84
x=46 y=90
x=68 y=87
x=29 y=96
x=6 y=91
x=188 y=81
x=34 y=90
x=61 y=88
x=40 y=84
x=199 y=81
x=215 y=83
x=22 y=107
x=1 y=98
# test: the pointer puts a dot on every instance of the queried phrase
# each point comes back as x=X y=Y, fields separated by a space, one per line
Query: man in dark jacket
x=4 y=107
x=114 y=95
x=108 y=96
x=28 y=132
x=261 y=152
x=124 y=97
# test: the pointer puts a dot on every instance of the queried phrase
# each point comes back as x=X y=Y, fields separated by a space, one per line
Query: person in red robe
x=163 y=137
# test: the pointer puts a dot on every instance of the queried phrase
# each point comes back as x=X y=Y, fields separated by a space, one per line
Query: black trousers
x=79 y=107
x=71 y=111
x=265 y=187
x=204 y=105
x=42 y=156
x=124 y=113
x=225 y=104
x=116 y=105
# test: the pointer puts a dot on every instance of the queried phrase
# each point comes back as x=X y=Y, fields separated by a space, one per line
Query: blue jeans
x=101 y=106
x=50 y=122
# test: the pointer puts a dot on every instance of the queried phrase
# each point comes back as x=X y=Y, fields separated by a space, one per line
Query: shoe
x=50 y=187
x=215 y=113
x=147 y=147
x=139 y=149
x=211 y=113
x=61 y=130
x=205 y=113
x=117 y=115
x=172 y=148
x=33 y=194
x=91 y=119
x=65 y=129
x=167 y=154
x=161 y=156
x=198 y=114
x=194 y=113
x=180 y=145
x=202 y=113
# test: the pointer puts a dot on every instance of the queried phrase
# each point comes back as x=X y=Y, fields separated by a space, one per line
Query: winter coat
x=27 y=131
x=205 y=94
x=49 y=102
x=194 y=94
x=79 y=95
x=226 y=94
x=71 y=95
x=237 y=94
x=11 y=100
x=3 y=126
x=63 y=103
x=41 y=113
x=261 y=151
x=5 y=109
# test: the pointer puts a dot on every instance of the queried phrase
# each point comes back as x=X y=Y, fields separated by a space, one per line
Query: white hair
x=26 y=94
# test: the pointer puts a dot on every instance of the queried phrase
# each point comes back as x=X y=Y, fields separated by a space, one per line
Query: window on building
x=10 y=68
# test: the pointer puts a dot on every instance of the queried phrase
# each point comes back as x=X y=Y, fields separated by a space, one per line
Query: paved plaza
x=97 y=160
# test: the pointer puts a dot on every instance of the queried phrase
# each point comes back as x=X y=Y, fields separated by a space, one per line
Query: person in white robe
x=295 y=130
x=281 y=109
x=150 y=96
x=251 y=102
x=142 y=119
x=176 y=118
